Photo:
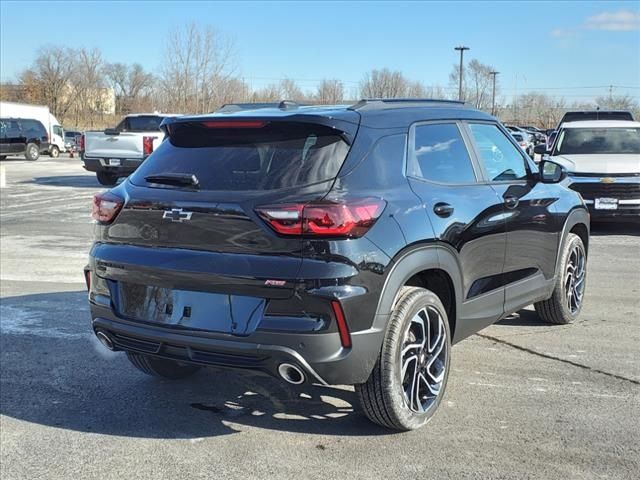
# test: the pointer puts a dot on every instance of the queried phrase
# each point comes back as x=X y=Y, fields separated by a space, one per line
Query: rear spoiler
x=346 y=129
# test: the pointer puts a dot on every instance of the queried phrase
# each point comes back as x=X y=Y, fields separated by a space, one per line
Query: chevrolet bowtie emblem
x=176 y=215
x=607 y=180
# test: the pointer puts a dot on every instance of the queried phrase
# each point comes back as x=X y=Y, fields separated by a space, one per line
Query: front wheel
x=565 y=302
x=107 y=179
x=54 y=152
x=160 y=367
x=32 y=152
x=409 y=379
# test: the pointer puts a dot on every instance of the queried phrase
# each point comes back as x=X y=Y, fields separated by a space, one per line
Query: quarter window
x=501 y=159
x=440 y=155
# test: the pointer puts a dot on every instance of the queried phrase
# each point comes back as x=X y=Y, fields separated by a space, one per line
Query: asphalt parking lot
x=524 y=400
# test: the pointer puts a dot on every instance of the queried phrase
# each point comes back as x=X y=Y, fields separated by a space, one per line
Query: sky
x=571 y=49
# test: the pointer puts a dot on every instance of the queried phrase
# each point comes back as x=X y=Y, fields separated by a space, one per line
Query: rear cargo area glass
x=273 y=156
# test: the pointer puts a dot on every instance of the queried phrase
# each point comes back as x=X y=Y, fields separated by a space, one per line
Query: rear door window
x=275 y=156
x=440 y=155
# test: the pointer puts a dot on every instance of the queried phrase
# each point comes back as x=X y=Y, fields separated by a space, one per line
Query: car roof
x=374 y=113
x=602 y=124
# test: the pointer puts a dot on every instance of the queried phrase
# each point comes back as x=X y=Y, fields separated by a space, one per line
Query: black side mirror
x=111 y=131
x=551 y=172
x=540 y=149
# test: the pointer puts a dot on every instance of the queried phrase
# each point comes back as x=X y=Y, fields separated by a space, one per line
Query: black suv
x=23 y=136
x=333 y=245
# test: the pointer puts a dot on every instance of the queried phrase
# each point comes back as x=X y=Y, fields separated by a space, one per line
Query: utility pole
x=461 y=49
x=493 y=96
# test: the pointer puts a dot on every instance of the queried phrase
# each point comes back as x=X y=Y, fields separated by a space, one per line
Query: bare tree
x=617 y=102
x=48 y=79
x=534 y=108
x=383 y=84
x=86 y=86
x=477 y=83
x=290 y=90
x=270 y=93
x=330 y=92
x=132 y=86
x=197 y=61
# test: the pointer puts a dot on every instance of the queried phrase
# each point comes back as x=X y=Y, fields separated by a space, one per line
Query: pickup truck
x=117 y=152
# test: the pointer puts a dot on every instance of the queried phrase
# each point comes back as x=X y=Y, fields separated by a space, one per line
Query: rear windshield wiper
x=175 y=179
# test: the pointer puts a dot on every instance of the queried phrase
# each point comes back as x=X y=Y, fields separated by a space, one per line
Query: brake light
x=106 y=206
x=351 y=219
x=341 y=322
x=235 y=124
x=81 y=142
x=147 y=145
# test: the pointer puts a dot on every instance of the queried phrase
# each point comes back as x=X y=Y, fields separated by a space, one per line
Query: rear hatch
x=122 y=145
x=126 y=140
x=189 y=223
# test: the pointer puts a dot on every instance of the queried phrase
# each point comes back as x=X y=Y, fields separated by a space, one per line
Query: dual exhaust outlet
x=288 y=372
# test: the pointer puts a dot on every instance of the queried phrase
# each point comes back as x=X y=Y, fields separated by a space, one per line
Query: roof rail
x=371 y=103
x=237 y=107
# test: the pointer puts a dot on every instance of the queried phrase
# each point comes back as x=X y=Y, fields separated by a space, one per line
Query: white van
x=42 y=114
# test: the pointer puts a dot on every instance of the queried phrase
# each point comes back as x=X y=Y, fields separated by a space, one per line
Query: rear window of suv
x=274 y=156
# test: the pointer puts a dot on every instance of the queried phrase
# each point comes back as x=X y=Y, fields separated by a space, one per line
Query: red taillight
x=81 y=142
x=351 y=219
x=106 y=206
x=234 y=124
x=343 y=328
x=147 y=145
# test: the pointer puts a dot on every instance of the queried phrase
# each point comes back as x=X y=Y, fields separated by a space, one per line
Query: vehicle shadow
x=55 y=373
x=524 y=318
x=80 y=181
x=621 y=228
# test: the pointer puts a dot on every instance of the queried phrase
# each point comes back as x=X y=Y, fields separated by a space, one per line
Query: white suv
x=603 y=161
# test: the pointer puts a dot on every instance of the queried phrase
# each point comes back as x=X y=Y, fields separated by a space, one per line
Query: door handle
x=511 y=201
x=443 y=209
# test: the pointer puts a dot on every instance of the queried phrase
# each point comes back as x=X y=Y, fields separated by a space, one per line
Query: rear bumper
x=127 y=166
x=233 y=318
x=320 y=355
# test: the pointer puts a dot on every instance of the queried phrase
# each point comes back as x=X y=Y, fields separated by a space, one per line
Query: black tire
x=160 y=367
x=2 y=157
x=32 y=152
x=107 y=179
x=54 y=152
x=383 y=397
x=556 y=309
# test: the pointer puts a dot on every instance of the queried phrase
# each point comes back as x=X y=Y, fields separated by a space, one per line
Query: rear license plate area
x=214 y=312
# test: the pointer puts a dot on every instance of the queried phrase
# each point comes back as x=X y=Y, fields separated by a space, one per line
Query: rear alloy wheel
x=54 y=152
x=32 y=152
x=409 y=379
x=107 y=179
x=565 y=303
x=160 y=367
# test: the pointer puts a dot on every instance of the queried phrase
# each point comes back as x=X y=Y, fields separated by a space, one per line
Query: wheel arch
x=434 y=267
x=577 y=222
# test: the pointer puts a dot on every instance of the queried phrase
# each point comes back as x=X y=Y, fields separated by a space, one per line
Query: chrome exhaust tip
x=291 y=374
x=105 y=339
